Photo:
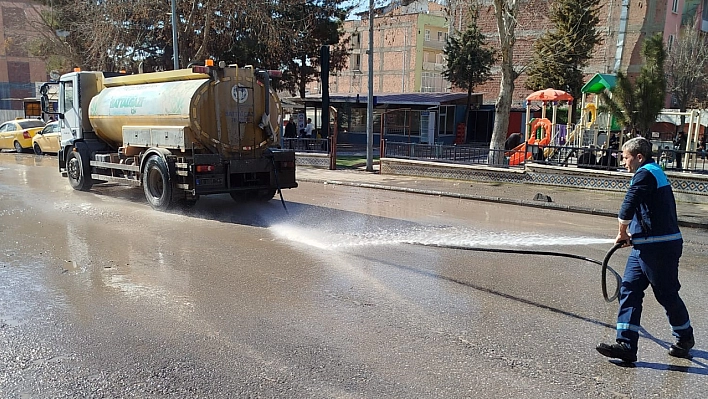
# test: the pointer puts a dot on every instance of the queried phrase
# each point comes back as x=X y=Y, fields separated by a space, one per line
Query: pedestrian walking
x=648 y=222
x=291 y=129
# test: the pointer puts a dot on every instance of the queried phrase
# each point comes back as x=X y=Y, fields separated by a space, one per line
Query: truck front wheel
x=78 y=171
x=157 y=184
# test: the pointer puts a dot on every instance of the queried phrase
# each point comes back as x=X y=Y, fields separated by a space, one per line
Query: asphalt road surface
x=343 y=296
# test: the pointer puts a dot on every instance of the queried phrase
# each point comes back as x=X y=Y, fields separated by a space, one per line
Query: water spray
x=441 y=237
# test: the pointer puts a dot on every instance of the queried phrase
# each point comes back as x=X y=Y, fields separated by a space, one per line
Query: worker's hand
x=623 y=238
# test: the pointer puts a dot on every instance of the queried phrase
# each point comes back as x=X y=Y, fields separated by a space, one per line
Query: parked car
x=18 y=133
x=47 y=139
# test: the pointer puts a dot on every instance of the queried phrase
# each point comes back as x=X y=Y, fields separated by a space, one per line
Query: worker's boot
x=619 y=350
x=682 y=347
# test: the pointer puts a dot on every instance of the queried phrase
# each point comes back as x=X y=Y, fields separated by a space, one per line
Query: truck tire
x=265 y=195
x=239 y=196
x=78 y=171
x=157 y=184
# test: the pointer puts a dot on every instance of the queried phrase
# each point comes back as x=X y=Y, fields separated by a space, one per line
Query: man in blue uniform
x=647 y=221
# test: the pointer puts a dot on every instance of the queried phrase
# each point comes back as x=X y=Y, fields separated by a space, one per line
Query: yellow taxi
x=47 y=139
x=18 y=133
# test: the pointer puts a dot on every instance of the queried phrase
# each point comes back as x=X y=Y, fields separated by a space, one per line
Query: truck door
x=69 y=106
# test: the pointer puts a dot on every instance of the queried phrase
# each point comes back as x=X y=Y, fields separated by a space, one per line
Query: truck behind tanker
x=179 y=134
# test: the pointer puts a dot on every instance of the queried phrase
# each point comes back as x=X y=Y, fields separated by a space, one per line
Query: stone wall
x=686 y=187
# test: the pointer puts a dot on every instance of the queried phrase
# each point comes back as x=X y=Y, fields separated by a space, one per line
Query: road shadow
x=698 y=358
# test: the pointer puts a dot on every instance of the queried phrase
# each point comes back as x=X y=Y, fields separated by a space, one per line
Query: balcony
x=433 y=44
x=433 y=66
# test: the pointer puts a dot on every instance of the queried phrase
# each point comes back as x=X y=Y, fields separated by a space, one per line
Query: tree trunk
x=467 y=112
x=502 y=111
x=303 y=77
x=505 y=12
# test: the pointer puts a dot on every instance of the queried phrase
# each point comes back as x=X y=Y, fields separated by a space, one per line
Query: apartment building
x=19 y=71
x=409 y=38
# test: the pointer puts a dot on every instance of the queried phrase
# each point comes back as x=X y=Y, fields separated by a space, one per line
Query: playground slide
x=519 y=154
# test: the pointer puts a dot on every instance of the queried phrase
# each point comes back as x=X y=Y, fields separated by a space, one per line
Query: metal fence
x=306 y=145
x=473 y=155
x=564 y=156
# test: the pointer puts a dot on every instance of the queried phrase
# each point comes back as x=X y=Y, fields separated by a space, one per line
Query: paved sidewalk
x=595 y=202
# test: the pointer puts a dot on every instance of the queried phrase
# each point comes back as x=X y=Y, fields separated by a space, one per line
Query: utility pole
x=370 y=97
x=174 y=35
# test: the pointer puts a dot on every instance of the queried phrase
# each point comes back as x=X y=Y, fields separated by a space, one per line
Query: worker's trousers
x=655 y=265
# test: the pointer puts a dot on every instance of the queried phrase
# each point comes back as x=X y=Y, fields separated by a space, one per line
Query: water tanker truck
x=179 y=134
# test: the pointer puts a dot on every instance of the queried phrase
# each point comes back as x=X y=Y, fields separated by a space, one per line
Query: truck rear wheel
x=265 y=195
x=78 y=171
x=157 y=184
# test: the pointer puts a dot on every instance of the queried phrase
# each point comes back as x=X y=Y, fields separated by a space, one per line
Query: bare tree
x=687 y=67
x=112 y=35
x=506 y=12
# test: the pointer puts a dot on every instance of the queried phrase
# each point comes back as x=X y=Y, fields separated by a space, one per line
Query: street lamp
x=370 y=97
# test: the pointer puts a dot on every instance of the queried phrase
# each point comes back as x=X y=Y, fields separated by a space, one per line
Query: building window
x=19 y=83
x=440 y=36
x=355 y=62
x=670 y=42
x=427 y=35
x=431 y=82
x=446 y=120
x=356 y=40
x=674 y=6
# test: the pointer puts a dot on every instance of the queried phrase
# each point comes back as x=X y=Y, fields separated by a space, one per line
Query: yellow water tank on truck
x=180 y=109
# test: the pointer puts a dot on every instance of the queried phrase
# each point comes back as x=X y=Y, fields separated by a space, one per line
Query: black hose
x=604 y=265
x=603 y=279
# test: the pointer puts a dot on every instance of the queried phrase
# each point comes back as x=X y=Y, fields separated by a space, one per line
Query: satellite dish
x=54 y=74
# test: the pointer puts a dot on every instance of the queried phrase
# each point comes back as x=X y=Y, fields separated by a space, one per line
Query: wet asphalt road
x=102 y=297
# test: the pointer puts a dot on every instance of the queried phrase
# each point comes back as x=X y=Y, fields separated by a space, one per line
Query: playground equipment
x=588 y=109
x=591 y=108
x=693 y=119
x=519 y=154
x=592 y=122
x=549 y=132
x=585 y=140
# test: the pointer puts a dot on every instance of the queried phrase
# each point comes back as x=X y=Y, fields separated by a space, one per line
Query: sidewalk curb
x=499 y=200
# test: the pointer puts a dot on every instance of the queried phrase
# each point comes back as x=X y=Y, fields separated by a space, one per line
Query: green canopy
x=599 y=83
